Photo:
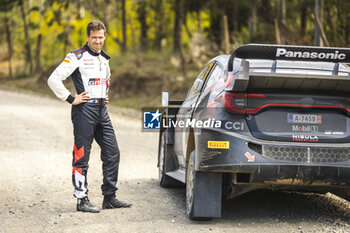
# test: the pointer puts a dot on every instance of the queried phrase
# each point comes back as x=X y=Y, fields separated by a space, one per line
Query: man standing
x=89 y=68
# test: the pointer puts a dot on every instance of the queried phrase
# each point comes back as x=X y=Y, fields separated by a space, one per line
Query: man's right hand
x=81 y=98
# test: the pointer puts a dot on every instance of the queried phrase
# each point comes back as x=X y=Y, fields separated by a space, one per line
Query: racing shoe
x=84 y=205
x=111 y=202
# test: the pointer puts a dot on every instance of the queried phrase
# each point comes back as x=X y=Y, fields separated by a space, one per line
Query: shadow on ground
x=260 y=205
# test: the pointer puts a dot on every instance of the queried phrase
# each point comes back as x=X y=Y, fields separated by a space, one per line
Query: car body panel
x=283 y=123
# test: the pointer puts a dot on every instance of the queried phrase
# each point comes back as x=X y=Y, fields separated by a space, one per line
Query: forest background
x=156 y=45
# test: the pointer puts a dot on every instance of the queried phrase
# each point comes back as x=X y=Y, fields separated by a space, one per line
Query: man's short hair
x=95 y=25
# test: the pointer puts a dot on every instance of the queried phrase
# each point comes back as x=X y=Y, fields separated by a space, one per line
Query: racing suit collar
x=93 y=53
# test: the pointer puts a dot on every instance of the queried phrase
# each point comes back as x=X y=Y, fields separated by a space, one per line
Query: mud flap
x=207 y=193
x=171 y=163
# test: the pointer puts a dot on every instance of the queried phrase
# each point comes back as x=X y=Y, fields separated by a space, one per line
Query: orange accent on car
x=250 y=157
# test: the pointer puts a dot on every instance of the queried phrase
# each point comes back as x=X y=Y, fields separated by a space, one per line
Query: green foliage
x=62 y=24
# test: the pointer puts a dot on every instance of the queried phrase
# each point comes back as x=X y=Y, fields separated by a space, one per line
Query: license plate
x=304 y=118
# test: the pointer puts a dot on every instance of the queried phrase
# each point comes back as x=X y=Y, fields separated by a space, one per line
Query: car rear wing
x=243 y=79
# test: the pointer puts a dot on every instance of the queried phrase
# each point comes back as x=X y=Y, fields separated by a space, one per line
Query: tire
x=190 y=189
x=165 y=181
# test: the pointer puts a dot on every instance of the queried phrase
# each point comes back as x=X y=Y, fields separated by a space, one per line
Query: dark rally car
x=264 y=117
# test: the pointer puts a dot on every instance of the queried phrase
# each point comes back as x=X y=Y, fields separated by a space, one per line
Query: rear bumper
x=245 y=156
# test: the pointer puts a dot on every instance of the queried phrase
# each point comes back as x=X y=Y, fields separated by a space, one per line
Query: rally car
x=264 y=117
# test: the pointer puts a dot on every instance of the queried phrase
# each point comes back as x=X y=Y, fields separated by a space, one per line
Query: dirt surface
x=36 y=190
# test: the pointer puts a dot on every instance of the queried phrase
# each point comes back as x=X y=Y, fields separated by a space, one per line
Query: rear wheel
x=190 y=189
x=165 y=181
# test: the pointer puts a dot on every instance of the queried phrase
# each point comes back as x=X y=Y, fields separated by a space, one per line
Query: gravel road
x=36 y=191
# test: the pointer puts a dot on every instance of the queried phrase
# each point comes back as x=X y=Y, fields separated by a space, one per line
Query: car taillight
x=238 y=102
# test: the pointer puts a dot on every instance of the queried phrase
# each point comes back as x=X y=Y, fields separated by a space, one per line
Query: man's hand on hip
x=81 y=98
x=106 y=99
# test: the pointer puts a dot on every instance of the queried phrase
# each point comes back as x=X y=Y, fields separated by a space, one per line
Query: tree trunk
x=199 y=17
x=266 y=12
x=277 y=32
x=188 y=31
x=133 y=36
x=38 y=40
x=252 y=15
x=9 y=44
x=106 y=17
x=342 y=21
x=235 y=16
x=124 y=49
x=177 y=46
x=199 y=20
x=318 y=15
x=160 y=25
x=178 y=25
x=347 y=31
x=142 y=18
x=227 y=38
x=81 y=9
x=37 y=54
x=222 y=13
x=81 y=15
x=303 y=15
x=27 y=39
x=282 y=21
x=66 y=42
x=321 y=32
x=182 y=56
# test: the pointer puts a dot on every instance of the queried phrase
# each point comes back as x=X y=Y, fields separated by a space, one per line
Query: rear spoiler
x=287 y=52
x=284 y=52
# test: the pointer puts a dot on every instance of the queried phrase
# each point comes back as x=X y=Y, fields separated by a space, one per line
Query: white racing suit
x=90 y=72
